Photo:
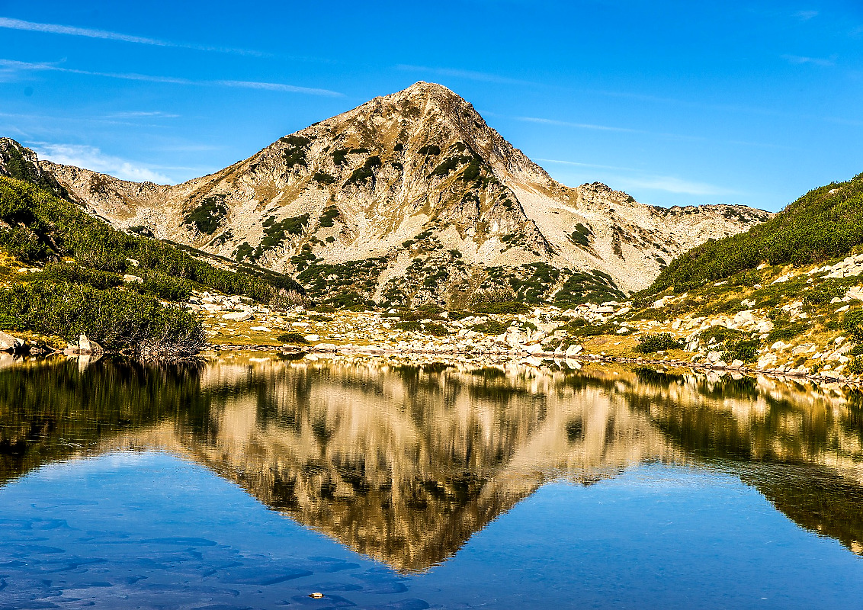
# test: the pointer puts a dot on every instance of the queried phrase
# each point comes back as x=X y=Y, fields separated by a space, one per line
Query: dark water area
x=254 y=482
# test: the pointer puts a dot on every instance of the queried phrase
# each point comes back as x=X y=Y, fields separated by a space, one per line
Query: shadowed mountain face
x=404 y=464
x=406 y=199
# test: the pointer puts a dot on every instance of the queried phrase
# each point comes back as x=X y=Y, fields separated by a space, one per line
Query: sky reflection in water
x=410 y=488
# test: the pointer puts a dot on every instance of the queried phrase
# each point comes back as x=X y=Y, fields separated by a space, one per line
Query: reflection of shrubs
x=649 y=344
x=292 y=337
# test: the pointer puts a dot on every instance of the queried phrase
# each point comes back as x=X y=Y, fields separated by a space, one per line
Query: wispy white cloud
x=633 y=178
x=143 y=114
x=485 y=77
x=660 y=134
x=8 y=64
x=672 y=184
x=92 y=158
x=51 y=28
x=815 y=61
x=532 y=119
x=591 y=165
x=805 y=15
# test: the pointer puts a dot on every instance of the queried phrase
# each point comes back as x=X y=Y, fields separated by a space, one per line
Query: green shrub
x=323 y=178
x=292 y=337
x=364 y=172
x=825 y=292
x=436 y=330
x=340 y=156
x=855 y=365
x=473 y=170
x=449 y=165
x=61 y=228
x=745 y=350
x=117 y=319
x=76 y=274
x=581 y=235
x=329 y=216
x=208 y=215
x=295 y=153
x=164 y=286
x=720 y=334
x=785 y=332
x=649 y=344
x=490 y=327
x=580 y=328
x=853 y=323
x=23 y=244
x=825 y=223
x=409 y=325
x=429 y=149
x=500 y=307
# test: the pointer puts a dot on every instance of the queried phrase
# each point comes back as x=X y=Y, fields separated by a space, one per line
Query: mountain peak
x=407 y=199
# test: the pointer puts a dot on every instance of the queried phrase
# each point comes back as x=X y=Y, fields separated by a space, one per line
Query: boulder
x=573 y=350
x=239 y=316
x=8 y=343
x=84 y=346
x=766 y=360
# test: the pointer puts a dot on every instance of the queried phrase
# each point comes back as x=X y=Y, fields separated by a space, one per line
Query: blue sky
x=674 y=102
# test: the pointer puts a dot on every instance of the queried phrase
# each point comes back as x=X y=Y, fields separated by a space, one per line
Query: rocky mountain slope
x=407 y=199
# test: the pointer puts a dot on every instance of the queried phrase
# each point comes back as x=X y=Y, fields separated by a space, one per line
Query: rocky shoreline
x=574 y=362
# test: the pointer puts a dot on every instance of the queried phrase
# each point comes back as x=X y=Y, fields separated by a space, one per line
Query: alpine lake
x=249 y=480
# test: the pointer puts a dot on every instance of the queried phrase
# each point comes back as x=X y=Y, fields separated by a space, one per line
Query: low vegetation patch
x=649 y=344
x=208 y=215
x=323 y=178
x=117 y=319
x=825 y=223
x=490 y=327
x=295 y=153
x=47 y=229
x=365 y=171
x=292 y=337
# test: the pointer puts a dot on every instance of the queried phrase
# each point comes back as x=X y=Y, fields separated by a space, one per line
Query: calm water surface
x=253 y=482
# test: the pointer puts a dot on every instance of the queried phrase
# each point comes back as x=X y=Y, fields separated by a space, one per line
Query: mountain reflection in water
x=405 y=463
